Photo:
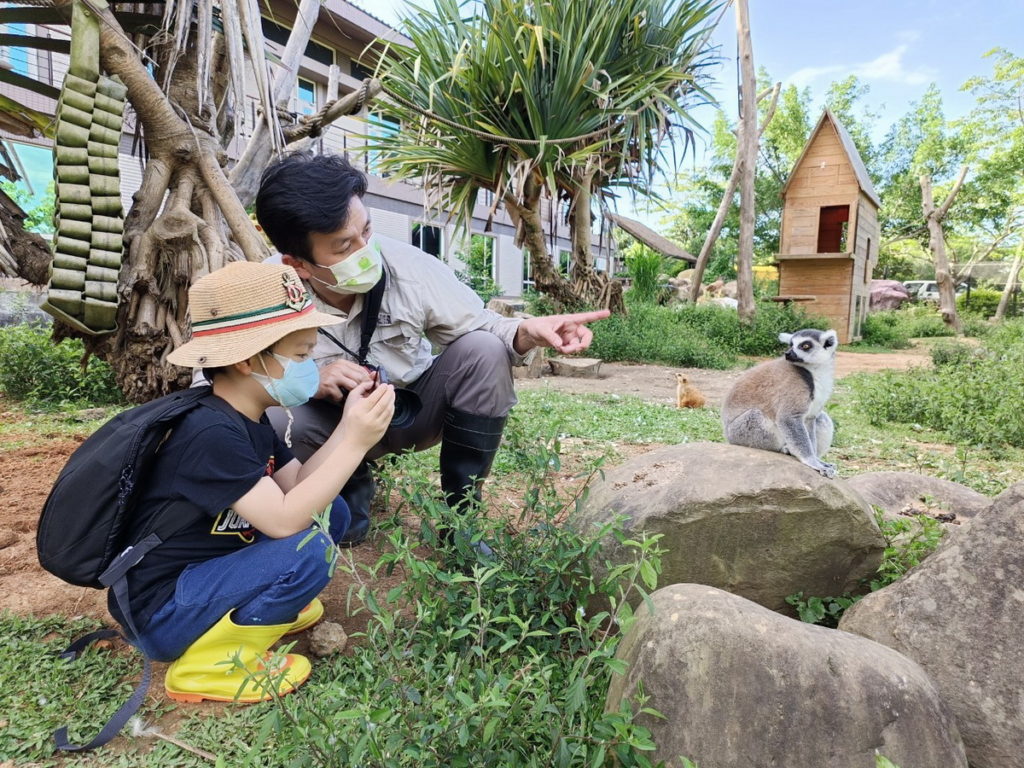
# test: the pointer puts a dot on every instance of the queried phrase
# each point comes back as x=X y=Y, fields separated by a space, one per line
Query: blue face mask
x=297 y=384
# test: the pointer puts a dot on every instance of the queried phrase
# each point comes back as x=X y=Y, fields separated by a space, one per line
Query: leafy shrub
x=34 y=369
x=698 y=335
x=473 y=660
x=884 y=329
x=952 y=353
x=644 y=266
x=977 y=401
x=980 y=301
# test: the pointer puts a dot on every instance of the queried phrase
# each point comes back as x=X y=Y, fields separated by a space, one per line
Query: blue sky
x=896 y=48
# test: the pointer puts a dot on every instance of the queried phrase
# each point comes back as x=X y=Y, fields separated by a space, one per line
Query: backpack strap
x=116 y=578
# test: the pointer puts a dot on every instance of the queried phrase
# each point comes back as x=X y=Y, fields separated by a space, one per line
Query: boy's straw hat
x=243 y=308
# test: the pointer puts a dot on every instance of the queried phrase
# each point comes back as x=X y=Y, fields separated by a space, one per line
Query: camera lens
x=407 y=408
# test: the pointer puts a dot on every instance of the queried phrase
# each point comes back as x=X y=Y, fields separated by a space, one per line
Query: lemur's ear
x=831 y=338
x=785 y=337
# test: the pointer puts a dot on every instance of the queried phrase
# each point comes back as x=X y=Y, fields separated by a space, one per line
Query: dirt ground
x=26 y=474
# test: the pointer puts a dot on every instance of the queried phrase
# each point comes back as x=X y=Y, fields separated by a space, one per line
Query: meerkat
x=779 y=405
x=687 y=395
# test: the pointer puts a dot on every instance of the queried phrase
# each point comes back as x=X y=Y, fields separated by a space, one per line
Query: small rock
x=533 y=365
x=505 y=307
x=7 y=538
x=576 y=367
x=327 y=638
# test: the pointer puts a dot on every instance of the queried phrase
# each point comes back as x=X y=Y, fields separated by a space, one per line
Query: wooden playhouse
x=829 y=241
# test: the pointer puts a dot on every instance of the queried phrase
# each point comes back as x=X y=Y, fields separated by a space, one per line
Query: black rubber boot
x=468 y=446
x=358 y=493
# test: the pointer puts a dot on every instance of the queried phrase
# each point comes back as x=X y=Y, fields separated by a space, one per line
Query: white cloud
x=888 y=66
x=808 y=75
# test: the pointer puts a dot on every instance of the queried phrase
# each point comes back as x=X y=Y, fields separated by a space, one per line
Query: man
x=311 y=208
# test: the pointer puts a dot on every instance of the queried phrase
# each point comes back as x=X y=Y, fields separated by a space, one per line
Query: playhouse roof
x=859 y=170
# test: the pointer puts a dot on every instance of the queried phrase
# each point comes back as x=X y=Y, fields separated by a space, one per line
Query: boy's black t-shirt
x=210 y=461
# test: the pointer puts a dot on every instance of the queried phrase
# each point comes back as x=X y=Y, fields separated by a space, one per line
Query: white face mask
x=358 y=273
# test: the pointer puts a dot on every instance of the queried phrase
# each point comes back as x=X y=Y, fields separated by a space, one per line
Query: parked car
x=913 y=286
x=930 y=291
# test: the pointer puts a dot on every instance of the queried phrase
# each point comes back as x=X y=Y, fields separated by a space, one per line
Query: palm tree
x=556 y=100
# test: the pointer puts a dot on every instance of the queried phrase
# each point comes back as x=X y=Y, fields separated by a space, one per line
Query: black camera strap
x=371 y=311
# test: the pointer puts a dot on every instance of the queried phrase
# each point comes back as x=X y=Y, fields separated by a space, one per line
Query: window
x=527 y=271
x=867 y=264
x=359 y=71
x=832 y=223
x=276 y=33
x=305 y=97
x=381 y=124
x=16 y=59
x=427 y=238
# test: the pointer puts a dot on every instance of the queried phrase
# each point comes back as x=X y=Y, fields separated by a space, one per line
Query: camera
x=407 y=403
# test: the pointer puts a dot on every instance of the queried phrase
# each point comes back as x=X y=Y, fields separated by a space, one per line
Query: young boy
x=234 y=579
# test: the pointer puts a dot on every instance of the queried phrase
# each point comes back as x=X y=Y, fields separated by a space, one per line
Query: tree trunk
x=592 y=288
x=530 y=234
x=30 y=255
x=937 y=242
x=723 y=207
x=747 y=155
x=1011 y=283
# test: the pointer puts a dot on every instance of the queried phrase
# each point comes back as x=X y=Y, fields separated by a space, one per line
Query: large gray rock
x=896 y=492
x=959 y=615
x=743 y=687
x=754 y=523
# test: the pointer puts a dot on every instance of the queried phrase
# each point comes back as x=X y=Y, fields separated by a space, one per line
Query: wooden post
x=723 y=207
x=937 y=242
x=747 y=155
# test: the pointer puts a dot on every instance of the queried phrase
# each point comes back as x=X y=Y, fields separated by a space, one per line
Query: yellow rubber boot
x=307 y=617
x=199 y=675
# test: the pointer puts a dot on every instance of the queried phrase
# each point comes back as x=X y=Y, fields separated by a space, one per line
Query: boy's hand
x=368 y=411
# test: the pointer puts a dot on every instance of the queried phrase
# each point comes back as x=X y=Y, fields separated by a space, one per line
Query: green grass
x=41 y=693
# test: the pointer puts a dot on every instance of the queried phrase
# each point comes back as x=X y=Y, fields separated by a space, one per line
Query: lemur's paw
x=827 y=470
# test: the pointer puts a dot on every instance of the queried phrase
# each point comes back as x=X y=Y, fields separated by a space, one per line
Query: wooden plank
x=39 y=43
x=29 y=84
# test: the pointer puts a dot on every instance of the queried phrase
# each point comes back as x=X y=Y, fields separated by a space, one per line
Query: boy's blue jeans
x=268 y=582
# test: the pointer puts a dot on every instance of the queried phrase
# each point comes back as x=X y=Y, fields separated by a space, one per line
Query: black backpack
x=86 y=534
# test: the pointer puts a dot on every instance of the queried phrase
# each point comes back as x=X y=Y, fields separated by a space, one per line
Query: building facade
x=330 y=69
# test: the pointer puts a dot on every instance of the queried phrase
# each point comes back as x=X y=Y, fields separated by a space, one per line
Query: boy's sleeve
x=218 y=468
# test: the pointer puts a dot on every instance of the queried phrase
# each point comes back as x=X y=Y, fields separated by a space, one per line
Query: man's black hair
x=304 y=193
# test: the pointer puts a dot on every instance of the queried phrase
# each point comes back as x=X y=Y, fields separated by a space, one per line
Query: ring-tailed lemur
x=779 y=405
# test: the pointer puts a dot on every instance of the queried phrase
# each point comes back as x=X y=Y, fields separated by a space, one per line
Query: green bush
x=884 y=329
x=701 y=335
x=476 y=660
x=980 y=301
x=952 y=353
x=976 y=401
x=34 y=369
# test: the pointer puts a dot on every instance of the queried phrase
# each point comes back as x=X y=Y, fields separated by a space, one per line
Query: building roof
x=650 y=238
x=860 y=171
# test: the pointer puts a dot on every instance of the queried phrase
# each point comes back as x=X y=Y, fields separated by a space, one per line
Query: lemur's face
x=810 y=346
x=681 y=379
